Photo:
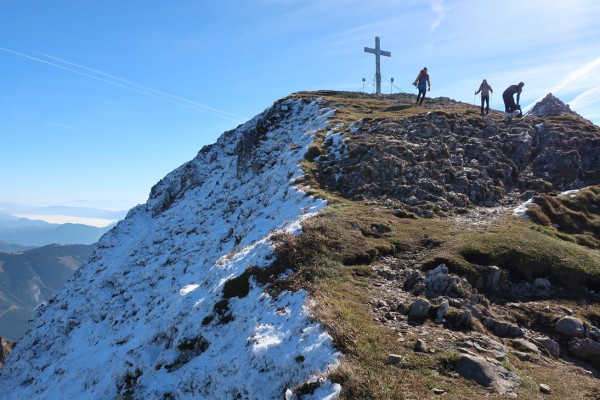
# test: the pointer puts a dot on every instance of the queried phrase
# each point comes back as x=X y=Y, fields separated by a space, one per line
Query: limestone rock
x=487 y=372
x=570 y=326
x=545 y=388
x=551 y=346
x=419 y=309
x=394 y=359
x=550 y=106
x=584 y=348
x=525 y=345
x=421 y=346
x=503 y=329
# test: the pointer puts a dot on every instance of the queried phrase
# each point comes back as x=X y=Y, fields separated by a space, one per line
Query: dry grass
x=332 y=259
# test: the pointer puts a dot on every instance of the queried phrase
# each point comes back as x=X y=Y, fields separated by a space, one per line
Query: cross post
x=378 y=52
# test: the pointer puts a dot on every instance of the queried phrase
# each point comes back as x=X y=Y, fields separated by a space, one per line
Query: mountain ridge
x=190 y=264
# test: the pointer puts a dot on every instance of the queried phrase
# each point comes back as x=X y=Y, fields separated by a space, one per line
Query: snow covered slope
x=145 y=318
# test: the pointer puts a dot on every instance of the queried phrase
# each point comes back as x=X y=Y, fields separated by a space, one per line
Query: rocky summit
x=344 y=246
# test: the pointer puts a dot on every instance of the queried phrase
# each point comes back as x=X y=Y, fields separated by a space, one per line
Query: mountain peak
x=551 y=106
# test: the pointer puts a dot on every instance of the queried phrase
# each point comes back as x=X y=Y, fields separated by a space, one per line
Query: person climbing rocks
x=509 y=102
x=485 y=90
x=422 y=83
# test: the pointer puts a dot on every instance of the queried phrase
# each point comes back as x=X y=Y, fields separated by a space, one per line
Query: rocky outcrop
x=439 y=162
x=551 y=106
x=6 y=347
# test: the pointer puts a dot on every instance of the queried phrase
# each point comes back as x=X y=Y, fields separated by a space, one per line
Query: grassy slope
x=332 y=258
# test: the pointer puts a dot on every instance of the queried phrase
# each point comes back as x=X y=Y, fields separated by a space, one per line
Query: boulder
x=394 y=359
x=551 y=346
x=439 y=282
x=584 y=348
x=487 y=372
x=502 y=328
x=419 y=309
x=421 y=346
x=570 y=326
x=525 y=346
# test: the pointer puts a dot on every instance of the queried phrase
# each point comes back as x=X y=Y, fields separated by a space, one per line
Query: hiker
x=485 y=90
x=422 y=83
x=509 y=102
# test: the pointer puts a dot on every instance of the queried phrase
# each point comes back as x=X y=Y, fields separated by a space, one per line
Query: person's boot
x=486 y=111
x=481 y=110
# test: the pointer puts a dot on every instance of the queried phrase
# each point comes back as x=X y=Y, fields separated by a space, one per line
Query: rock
x=570 y=326
x=438 y=391
x=525 y=345
x=394 y=359
x=522 y=355
x=567 y=311
x=439 y=282
x=550 y=106
x=584 y=348
x=486 y=346
x=502 y=329
x=421 y=346
x=551 y=346
x=542 y=284
x=487 y=372
x=545 y=388
x=594 y=333
x=493 y=278
x=460 y=320
x=442 y=309
x=419 y=309
x=418 y=290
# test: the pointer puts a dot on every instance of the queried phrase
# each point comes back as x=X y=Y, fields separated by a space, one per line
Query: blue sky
x=101 y=99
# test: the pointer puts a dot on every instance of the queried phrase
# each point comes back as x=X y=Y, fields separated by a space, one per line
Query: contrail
x=125 y=84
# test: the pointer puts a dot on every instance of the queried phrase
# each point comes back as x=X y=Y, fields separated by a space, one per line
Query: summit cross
x=378 y=52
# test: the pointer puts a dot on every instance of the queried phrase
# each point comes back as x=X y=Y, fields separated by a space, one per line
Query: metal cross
x=378 y=52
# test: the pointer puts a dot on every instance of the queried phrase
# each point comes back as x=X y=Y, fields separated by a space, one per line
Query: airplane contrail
x=125 y=84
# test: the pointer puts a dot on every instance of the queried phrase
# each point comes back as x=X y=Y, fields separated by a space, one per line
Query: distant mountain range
x=30 y=278
x=28 y=232
x=13 y=248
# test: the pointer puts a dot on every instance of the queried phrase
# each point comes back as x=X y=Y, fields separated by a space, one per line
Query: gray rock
x=486 y=346
x=542 y=284
x=394 y=359
x=545 y=388
x=570 y=326
x=594 y=333
x=487 y=372
x=421 y=346
x=551 y=346
x=522 y=355
x=584 y=348
x=493 y=278
x=502 y=328
x=419 y=308
x=525 y=345
x=442 y=309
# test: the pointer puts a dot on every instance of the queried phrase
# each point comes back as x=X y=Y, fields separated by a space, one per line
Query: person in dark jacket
x=485 y=90
x=509 y=102
x=422 y=83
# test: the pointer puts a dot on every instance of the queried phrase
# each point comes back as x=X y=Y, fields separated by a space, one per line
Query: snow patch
x=146 y=315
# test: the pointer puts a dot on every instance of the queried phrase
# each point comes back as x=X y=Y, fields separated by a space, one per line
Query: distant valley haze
x=32 y=226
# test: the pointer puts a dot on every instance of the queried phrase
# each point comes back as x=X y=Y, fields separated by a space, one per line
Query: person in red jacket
x=485 y=90
x=422 y=83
